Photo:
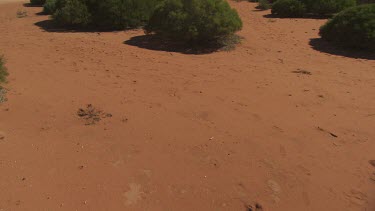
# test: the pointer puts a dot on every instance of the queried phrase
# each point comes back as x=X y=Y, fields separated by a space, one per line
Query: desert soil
x=284 y=121
x=8 y=1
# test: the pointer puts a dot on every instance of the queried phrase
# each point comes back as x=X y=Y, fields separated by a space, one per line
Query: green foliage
x=327 y=6
x=3 y=70
x=194 y=21
x=365 y=1
x=264 y=4
x=123 y=13
x=354 y=27
x=109 y=14
x=37 y=2
x=288 y=8
x=297 y=8
x=72 y=13
x=49 y=7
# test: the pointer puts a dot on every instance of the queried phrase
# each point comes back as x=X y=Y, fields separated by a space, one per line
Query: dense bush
x=72 y=13
x=297 y=8
x=194 y=21
x=109 y=14
x=37 y=2
x=288 y=8
x=49 y=7
x=264 y=4
x=3 y=70
x=354 y=27
x=366 y=1
x=327 y=6
x=123 y=13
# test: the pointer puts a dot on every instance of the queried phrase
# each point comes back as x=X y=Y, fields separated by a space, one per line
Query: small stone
x=372 y=162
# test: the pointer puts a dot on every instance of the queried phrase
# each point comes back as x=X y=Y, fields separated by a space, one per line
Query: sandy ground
x=7 y=1
x=219 y=131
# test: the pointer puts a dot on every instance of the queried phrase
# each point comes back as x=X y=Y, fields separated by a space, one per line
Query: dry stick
x=332 y=134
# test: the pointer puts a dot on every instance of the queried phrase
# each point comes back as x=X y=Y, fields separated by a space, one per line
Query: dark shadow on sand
x=31 y=5
x=321 y=45
x=50 y=26
x=153 y=42
x=307 y=16
x=41 y=13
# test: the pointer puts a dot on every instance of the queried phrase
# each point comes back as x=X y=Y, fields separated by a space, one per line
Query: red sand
x=220 y=131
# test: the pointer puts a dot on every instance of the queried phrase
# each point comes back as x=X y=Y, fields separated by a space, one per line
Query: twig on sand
x=301 y=71
x=323 y=130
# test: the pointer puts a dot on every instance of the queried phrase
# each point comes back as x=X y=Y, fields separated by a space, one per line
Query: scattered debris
x=373 y=177
x=274 y=186
x=21 y=14
x=92 y=115
x=256 y=207
x=134 y=194
x=301 y=71
x=2 y=95
x=276 y=190
x=332 y=134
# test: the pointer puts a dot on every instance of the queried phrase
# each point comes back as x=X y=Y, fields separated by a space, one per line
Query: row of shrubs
x=190 y=21
x=104 y=15
x=206 y=21
x=353 y=27
x=299 y=8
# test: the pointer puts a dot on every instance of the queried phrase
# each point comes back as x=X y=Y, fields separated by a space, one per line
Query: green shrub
x=297 y=8
x=72 y=13
x=264 y=4
x=3 y=70
x=49 y=7
x=327 y=6
x=120 y=14
x=194 y=21
x=365 y=1
x=353 y=27
x=37 y=2
x=288 y=8
x=109 y=14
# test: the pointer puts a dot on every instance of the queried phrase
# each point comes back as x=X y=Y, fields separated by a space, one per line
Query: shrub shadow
x=31 y=5
x=307 y=16
x=50 y=26
x=153 y=42
x=259 y=9
x=41 y=13
x=321 y=45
